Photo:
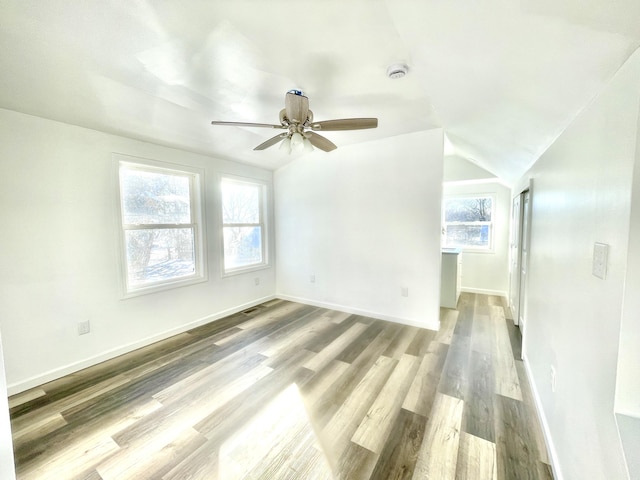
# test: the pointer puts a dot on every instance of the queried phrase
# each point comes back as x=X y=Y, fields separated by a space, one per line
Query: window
x=243 y=228
x=162 y=237
x=468 y=222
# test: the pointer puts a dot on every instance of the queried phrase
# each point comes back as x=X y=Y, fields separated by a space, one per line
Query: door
x=514 y=255
x=524 y=259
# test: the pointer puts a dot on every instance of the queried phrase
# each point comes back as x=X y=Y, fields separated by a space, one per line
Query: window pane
x=476 y=209
x=240 y=202
x=154 y=255
x=467 y=236
x=154 y=198
x=242 y=246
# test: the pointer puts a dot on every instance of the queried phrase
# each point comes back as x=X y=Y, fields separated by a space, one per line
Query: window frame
x=262 y=223
x=197 y=202
x=490 y=248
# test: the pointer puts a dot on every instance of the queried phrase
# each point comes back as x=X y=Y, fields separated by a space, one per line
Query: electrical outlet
x=553 y=379
x=312 y=278
x=404 y=291
x=84 y=327
x=257 y=280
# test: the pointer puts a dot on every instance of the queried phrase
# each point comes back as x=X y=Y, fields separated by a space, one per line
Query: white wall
x=628 y=382
x=59 y=243
x=488 y=272
x=581 y=195
x=628 y=399
x=366 y=222
x=457 y=169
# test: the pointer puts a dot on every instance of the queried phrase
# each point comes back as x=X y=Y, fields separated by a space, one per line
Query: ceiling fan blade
x=271 y=141
x=297 y=107
x=247 y=124
x=345 y=124
x=320 y=142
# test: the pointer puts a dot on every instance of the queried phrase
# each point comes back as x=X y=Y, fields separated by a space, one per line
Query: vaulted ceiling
x=502 y=78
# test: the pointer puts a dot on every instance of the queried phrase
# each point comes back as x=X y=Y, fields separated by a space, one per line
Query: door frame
x=524 y=220
x=7 y=464
x=515 y=238
x=524 y=246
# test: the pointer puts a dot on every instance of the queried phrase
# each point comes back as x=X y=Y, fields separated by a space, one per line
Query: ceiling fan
x=301 y=134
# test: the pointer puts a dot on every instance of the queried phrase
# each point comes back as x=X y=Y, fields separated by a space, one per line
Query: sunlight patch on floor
x=278 y=443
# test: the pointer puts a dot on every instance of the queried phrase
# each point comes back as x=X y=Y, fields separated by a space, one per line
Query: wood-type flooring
x=290 y=391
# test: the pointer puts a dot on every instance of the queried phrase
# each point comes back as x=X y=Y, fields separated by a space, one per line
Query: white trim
x=241 y=270
x=51 y=375
x=43 y=378
x=484 y=291
x=196 y=177
x=364 y=313
x=548 y=439
x=490 y=248
x=7 y=461
x=264 y=198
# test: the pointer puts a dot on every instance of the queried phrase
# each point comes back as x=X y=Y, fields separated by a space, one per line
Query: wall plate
x=600 y=256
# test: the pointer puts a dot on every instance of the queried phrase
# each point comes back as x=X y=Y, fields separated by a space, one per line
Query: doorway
x=519 y=257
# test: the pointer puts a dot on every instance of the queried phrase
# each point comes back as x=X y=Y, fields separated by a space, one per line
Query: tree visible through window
x=159 y=225
x=243 y=224
x=468 y=222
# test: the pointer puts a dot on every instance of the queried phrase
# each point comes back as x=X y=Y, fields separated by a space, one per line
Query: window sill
x=163 y=287
x=463 y=249
x=474 y=250
x=240 y=270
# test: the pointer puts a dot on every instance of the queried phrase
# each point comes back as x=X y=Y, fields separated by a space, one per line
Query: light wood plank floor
x=288 y=391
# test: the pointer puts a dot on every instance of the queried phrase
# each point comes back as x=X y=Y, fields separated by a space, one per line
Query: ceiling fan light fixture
x=397 y=70
x=286 y=145
x=307 y=145
x=297 y=143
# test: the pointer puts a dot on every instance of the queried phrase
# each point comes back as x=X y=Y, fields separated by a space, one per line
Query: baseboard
x=548 y=440
x=56 y=373
x=365 y=313
x=484 y=291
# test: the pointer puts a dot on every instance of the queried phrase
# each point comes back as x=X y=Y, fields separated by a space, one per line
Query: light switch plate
x=84 y=327
x=600 y=256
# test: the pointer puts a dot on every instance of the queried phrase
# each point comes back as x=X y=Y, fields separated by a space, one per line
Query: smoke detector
x=397 y=70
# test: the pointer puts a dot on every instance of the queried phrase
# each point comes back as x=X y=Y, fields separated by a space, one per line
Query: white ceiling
x=502 y=78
